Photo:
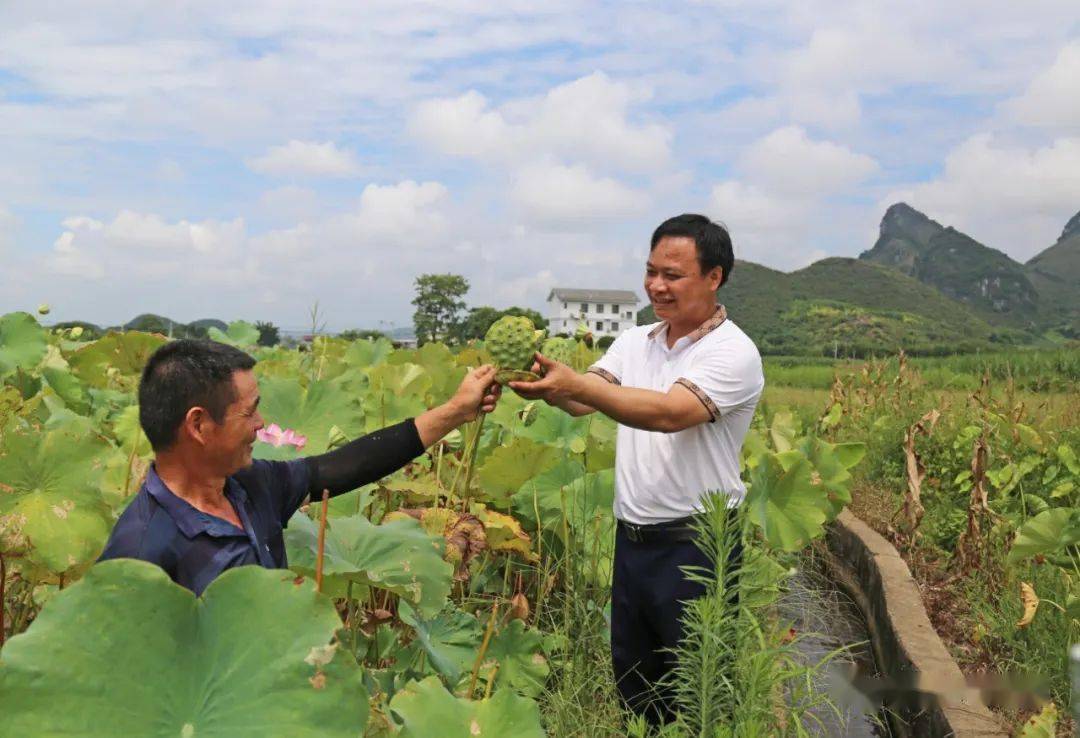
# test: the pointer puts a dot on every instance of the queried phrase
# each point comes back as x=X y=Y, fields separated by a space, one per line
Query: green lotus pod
x=560 y=350
x=512 y=342
x=43 y=308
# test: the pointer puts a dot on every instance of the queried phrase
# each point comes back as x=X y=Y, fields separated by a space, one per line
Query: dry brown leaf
x=1031 y=604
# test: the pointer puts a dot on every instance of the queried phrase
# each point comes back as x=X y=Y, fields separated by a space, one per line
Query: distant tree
x=476 y=323
x=269 y=335
x=354 y=334
x=438 y=305
x=538 y=320
x=604 y=342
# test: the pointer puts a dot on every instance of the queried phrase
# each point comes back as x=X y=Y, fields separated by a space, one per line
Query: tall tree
x=438 y=305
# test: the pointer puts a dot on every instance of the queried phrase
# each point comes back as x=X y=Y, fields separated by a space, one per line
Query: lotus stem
x=3 y=601
x=322 y=540
x=483 y=648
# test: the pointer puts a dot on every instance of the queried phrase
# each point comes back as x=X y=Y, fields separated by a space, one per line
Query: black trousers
x=648 y=594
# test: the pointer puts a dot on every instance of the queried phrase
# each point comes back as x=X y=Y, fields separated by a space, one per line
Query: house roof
x=587 y=295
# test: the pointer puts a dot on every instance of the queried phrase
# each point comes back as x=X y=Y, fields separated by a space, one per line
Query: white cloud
x=559 y=195
x=1009 y=197
x=1052 y=100
x=585 y=121
x=305 y=158
x=788 y=162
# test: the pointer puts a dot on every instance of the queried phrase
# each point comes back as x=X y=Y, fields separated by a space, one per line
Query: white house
x=607 y=312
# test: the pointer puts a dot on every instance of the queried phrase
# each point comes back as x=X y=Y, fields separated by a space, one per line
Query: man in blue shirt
x=206 y=506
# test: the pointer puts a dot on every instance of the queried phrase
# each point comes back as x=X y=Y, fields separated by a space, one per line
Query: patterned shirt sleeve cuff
x=714 y=412
x=603 y=373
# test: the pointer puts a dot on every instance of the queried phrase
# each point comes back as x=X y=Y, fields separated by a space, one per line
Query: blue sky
x=244 y=160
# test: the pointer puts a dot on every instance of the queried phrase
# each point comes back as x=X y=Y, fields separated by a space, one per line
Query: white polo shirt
x=662 y=476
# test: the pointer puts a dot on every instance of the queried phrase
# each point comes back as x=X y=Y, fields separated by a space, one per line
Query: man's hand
x=478 y=392
x=559 y=384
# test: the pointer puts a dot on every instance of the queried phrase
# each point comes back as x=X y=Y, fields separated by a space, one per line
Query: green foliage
x=176 y=666
x=240 y=334
x=269 y=335
x=426 y=709
x=438 y=305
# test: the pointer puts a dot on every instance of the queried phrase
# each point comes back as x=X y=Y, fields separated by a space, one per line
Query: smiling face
x=229 y=444
x=678 y=291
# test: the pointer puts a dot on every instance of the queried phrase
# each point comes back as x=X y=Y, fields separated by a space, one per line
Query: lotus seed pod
x=559 y=349
x=512 y=342
x=43 y=308
x=76 y=331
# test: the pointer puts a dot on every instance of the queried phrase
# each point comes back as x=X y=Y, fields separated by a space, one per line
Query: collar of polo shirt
x=713 y=322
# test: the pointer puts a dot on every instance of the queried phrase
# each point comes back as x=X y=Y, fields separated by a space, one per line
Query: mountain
x=849 y=307
x=1056 y=275
x=987 y=280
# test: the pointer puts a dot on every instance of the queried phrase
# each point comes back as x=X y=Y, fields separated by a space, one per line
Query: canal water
x=824 y=620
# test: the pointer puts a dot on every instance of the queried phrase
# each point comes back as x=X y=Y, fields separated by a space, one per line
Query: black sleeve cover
x=364 y=460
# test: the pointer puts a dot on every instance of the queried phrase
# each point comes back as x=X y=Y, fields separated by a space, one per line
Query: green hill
x=983 y=278
x=1056 y=275
x=848 y=307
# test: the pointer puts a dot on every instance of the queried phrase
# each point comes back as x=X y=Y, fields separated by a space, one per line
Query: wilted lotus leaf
x=22 y=342
x=1041 y=725
x=310 y=412
x=426 y=709
x=252 y=657
x=784 y=502
x=508 y=467
x=504 y=533
x=450 y=640
x=463 y=533
x=398 y=556
x=125 y=354
x=415 y=489
x=515 y=658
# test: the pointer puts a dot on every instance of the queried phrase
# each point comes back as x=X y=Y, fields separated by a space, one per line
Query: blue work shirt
x=193 y=547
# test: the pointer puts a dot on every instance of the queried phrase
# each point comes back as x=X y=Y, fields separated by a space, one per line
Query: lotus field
x=465 y=595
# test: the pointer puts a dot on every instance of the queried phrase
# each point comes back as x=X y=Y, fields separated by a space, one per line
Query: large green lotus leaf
x=450 y=640
x=1048 y=533
x=124 y=353
x=50 y=492
x=240 y=333
x=366 y=352
x=438 y=362
x=310 y=411
x=56 y=530
x=397 y=556
x=543 y=494
x=590 y=496
x=22 y=342
x=68 y=388
x=395 y=392
x=427 y=710
x=516 y=659
x=831 y=471
x=508 y=467
x=126 y=652
x=129 y=433
x=784 y=502
x=555 y=428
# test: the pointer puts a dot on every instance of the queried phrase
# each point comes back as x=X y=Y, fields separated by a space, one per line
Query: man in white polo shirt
x=683 y=392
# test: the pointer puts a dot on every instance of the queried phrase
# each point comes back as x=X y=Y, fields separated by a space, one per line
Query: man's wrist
x=457 y=412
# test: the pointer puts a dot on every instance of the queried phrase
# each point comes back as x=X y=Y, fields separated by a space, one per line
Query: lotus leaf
x=516 y=652
x=51 y=505
x=125 y=354
x=398 y=556
x=395 y=392
x=127 y=652
x=68 y=388
x=240 y=333
x=310 y=411
x=426 y=709
x=1048 y=533
x=450 y=640
x=784 y=502
x=508 y=467
x=543 y=494
x=504 y=533
x=22 y=342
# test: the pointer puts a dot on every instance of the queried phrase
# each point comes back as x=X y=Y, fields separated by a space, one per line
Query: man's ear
x=715 y=277
x=197 y=424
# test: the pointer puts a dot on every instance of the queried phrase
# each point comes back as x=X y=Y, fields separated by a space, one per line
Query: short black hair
x=185 y=374
x=712 y=241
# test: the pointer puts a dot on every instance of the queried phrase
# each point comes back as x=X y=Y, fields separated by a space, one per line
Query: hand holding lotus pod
x=512 y=342
x=560 y=350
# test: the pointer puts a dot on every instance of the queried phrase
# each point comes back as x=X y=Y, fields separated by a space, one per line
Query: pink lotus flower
x=275 y=436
